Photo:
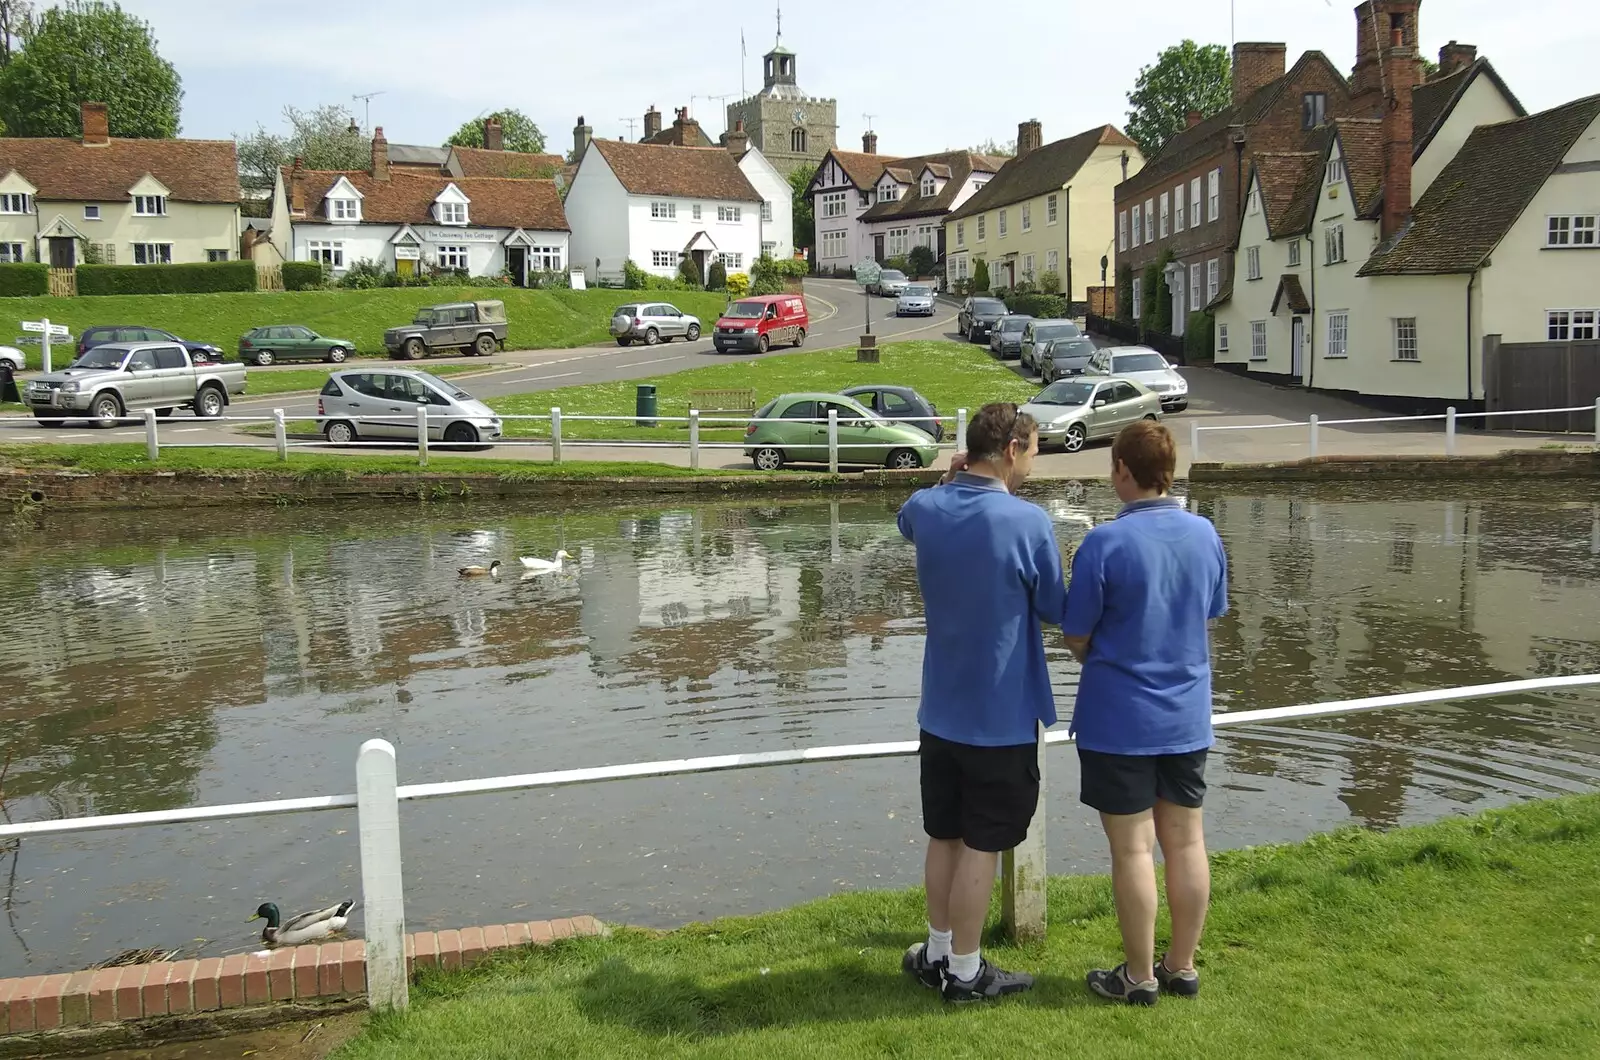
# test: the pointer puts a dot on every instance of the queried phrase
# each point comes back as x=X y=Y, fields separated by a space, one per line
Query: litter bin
x=644 y=406
x=8 y=385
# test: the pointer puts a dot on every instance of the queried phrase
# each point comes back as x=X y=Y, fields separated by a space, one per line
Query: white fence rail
x=378 y=796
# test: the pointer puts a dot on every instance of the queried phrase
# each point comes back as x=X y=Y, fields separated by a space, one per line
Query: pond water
x=155 y=661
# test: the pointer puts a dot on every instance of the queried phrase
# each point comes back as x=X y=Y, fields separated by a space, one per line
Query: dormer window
x=344 y=209
x=927 y=185
x=150 y=205
x=1335 y=170
x=1313 y=109
x=452 y=213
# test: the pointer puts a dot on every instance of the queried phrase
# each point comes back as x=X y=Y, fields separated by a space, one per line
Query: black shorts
x=983 y=796
x=1128 y=784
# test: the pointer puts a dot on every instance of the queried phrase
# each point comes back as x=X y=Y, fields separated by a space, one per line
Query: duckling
x=546 y=566
x=302 y=928
x=477 y=571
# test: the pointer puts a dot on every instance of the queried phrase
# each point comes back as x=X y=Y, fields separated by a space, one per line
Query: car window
x=449 y=390
x=461 y=316
x=800 y=410
x=370 y=384
x=171 y=357
x=918 y=291
x=766 y=410
x=895 y=405
x=331 y=388
x=846 y=412
x=1141 y=362
x=409 y=389
x=627 y=311
x=988 y=305
x=1072 y=348
x=1055 y=331
x=1125 y=392
x=297 y=333
x=142 y=360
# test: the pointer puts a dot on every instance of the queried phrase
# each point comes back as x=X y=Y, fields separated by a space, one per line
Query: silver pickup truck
x=119 y=378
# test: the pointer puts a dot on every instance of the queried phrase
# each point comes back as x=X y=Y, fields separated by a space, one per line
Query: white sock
x=938 y=945
x=964 y=966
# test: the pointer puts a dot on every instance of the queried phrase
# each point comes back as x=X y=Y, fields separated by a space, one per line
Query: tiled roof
x=1482 y=191
x=407 y=198
x=938 y=169
x=900 y=173
x=1289 y=290
x=679 y=172
x=64 y=170
x=1224 y=292
x=862 y=169
x=1361 y=147
x=962 y=165
x=1042 y=170
x=681 y=134
x=1432 y=101
x=1289 y=189
x=480 y=162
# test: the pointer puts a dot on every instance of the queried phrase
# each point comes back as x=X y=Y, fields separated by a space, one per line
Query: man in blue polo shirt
x=990 y=573
x=1144 y=589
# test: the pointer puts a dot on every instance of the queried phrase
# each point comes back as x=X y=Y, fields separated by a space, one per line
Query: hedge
x=197 y=278
x=1039 y=306
x=24 y=279
x=1199 y=336
x=302 y=275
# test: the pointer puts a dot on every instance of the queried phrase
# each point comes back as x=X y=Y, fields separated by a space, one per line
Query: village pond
x=152 y=661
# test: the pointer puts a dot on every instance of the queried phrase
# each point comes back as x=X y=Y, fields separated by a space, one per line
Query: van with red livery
x=761 y=322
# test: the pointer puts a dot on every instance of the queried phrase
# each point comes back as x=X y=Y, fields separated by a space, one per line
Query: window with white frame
x=1222 y=338
x=928 y=185
x=1000 y=226
x=1194 y=203
x=766 y=212
x=1339 y=333
x=888 y=192
x=731 y=260
x=1405 y=339
x=1027 y=266
x=1136 y=225
x=1166 y=214
x=453 y=257
x=961 y=233
x=865 y=199
x=1562 y=325
x=344 y=209
x=1195 y=304
x=1027 y=217
x=1138 y=300
x=452 y=213
x=1333 y=244
x=769 y=249
x=834 y=204
x=1252 y=263
x=91 y=213
x=1052 y=261
x=981 y=219
x=1122 y=230
x=161 y=254
x=927 y=236
x=1258 y=340
x=663 y=211
x=694 y=212
x=730 y=214
x=1214 y=194
x=833 y=244
x=216 y=255
x=12 y=253
x=16 y=202
x=1051 y=209
x=1294 y=252
x=1149 y=220
x=959 y=265
x=1213 y=279
x=1335 y=170
x=150 y=205
x=1178 y=211
x=330 y=254
x=1571 y=230
x=663 y=259
x=1585 y=323
x=899 y=243
x=544 y=259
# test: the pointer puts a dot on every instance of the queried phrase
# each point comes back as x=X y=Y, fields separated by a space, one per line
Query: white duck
x=546 y=566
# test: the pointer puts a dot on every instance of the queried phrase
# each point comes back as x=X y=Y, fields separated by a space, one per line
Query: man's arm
x=1085 y=599
x=1049 y=587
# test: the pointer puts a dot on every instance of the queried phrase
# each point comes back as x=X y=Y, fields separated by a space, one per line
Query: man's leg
x=938 y=877
x=941 y=819
x=1133 y=879
x=971 y=885
x=1183 y=847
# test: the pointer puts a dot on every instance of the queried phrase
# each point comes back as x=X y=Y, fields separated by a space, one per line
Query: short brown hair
x=997 y=425
x=1151 y=456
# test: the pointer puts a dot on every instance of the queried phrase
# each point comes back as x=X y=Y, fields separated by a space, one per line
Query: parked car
x=382 y=403
x=900 y=404
x=1147 y=366
x=116 y=378
x=291 y=342
x=471 y=327
x=1064 y=357
x=760 y=322
x=889 y=284
x=1071 y=412
x=978 y=317
x=12 y=356
x=915 y=299
x=772 y=441
x=199 y=352
x=1039 y=332
x=652 y=322
x=1005 y=337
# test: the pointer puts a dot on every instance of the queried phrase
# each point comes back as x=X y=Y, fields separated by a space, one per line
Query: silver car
x=382 y=404
x=652 y=322
x=915 y=300
x=1038 y=334
x=1071 y=412
x=1143 y=365
x=890 y=283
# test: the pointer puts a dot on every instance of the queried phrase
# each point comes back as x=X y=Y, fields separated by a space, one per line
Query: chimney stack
x=1453 y=57
x=1402 y=72
x=1030 y=136
x=738 y=140
x=493 y=135
x=1256 y=64
x=652 y=122
x=581 y=135
x=297 y=187
x=380 y=155
x=1380 y=25
x=96 y=124
x=869 y=143
x=1193 y=118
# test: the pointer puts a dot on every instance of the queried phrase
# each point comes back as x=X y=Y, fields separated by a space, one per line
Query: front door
x=1179 y=317
x=63 y=252
x=405 y=267
x=1297 y=349
x=877 y=248
x=517 y=265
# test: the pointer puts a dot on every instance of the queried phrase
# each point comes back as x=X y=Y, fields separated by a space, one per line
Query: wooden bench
x=735 y=399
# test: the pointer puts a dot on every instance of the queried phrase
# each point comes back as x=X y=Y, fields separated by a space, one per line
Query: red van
x=762 y=321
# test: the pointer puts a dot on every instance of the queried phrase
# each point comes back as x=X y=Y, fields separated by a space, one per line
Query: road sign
x=868 y=272
x=58 y=331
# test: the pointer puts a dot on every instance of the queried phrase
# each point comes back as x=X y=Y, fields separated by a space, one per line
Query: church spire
x=779 y=42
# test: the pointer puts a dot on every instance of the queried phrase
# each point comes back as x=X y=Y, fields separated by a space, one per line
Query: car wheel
x=339 y=432
x=800 y=338
x=1152 y=417
x=903 y=460
x=485 y=346
x=414 y=350
x=768 y=459
x=209 y=403
x=263 y=358
x=1075 y=438
x=651 y=336
x=624 y=342
x=336 y=355
x=693 y=334
x=461 y=433
x=106 y=410
x=763 y=344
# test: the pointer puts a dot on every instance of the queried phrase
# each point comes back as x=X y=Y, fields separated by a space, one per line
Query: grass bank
x=546 y=319
x=1472 y=937
x=263 y=383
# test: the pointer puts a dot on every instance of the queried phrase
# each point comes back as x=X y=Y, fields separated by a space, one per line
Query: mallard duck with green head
x=306 y=927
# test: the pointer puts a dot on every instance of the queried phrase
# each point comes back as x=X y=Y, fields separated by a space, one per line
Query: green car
x=794 y=429
x=291 y=342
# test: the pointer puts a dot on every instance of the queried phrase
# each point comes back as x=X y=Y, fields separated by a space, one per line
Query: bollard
x=152 y=444
x=280 y=431
x=555 y=436
x=1022 y=872
x=382 y=889
x=694 y=439
x=1194 y=443
x=961 y=430
x=1313 y=436
x=1450 y=431
x=833 y=440
x=422 y=436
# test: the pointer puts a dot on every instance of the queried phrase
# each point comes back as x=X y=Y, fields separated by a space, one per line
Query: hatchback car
x=652 y=322
x=900 y=404
x=380 y=405
x=915 y=300
x=1005 y=337
x=1071 y=412
x=291 y=342
x=793 y=429
x=1064 y=357
x=199 y=352
x=978 y=317
x=1038 y=333
x=889 y=284
x=1143 y=365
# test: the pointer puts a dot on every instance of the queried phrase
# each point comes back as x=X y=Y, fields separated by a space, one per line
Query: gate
x=64 y=283
x=1542 y=375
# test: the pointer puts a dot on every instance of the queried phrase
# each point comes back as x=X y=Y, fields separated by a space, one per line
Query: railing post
x=1450 y=431
x=555 y=436
x=280 y=431
x=422 y=436
x=382 y=889
x=1313 y=436
x=833 y=440
x=694 y=439
x=1022 y=870
x=961 y=430
x=1194 y=442
x=152 y=444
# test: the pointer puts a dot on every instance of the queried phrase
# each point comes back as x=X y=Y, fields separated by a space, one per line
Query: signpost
x=46 y=332
x=867 y=273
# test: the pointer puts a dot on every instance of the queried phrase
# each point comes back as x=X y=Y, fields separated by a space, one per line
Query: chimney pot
x=96 y=124
x=1453 y=57
x=380 y=155
x=869 y=143
x=652 y=122
x=493 y=135
x=1030 y=136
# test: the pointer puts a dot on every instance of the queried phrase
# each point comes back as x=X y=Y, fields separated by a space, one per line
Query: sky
x=954 y=76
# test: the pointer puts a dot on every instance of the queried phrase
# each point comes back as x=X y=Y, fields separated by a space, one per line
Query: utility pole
x=366 y=99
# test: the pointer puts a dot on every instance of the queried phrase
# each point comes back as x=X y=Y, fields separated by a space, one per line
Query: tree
x=1430 y=69
x=16 y=26
x=324 y=138
x=718 y=277
x=805 y=223
x=517 y=132
x=1185 y=77
x=689 y=273
x=994 y=149
x=922 y=261
x=980 y=276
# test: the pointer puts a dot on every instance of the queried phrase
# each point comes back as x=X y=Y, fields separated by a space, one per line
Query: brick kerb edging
x=306 y=974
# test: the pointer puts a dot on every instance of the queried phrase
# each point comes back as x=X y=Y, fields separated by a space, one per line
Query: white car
x=12 y=356
x=1146 y=366
x=381 y=403
x=915 y=300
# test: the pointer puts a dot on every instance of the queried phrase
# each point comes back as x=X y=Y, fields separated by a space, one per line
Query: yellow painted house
x=1050 y=210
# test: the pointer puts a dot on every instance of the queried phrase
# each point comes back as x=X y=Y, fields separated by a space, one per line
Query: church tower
x=791 y=128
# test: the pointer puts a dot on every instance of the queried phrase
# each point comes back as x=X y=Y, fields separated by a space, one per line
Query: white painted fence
x=378 y=797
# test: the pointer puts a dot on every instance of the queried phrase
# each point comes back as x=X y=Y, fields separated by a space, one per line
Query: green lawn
x=952 y=375
x=549 y=319
x=292 y=380
x=1473 y=937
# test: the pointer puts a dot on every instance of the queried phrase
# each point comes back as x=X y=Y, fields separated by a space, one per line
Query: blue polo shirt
x=1144 y=586
x=990 y=572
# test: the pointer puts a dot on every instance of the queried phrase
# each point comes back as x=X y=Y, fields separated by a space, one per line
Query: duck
x=546 y=566
x=475 y=570
x=302 y=928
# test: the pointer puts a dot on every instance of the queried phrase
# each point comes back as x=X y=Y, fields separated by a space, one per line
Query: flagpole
x=743 y=61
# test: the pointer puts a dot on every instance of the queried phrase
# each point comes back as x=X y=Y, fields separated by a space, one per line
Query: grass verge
x=1472 y=937
x=300 y=380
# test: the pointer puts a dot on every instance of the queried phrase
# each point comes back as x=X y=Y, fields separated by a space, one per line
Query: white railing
x=1450 y=416
x=378 y=795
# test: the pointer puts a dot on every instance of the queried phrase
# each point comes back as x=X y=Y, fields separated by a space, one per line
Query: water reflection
x=153 y=662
